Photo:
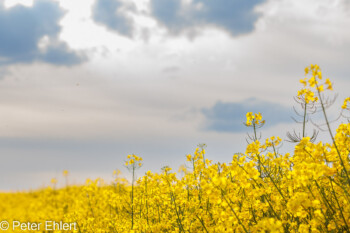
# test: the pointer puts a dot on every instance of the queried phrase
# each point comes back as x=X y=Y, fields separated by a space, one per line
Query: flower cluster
x=307 y=95
x=314 y=82
x=316 y=75
x=132 y=160
x=254 y=119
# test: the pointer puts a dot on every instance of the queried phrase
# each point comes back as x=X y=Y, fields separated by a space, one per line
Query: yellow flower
x=328 y=82
x=320 y=88
x=301 y=92
x=258 y=119
x=345 y=102
x=258 y=116
x=312 y=81
x=308 y=95
x=303 y=81
x=319 y=74
x=254 y=119
x=250 y=117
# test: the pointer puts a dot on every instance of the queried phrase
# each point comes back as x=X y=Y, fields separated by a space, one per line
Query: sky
x=85 y=83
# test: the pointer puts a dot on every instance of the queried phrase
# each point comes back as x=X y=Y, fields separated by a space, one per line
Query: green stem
x=234 y=212
x=202 y=222
x=330 y=132
x=304 y=120
x=132 y=196
x=341 y=212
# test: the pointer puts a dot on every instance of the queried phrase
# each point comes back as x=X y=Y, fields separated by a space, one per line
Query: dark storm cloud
x=21 y=29
x=235 y=16
x=229 y=117
x=108 y=12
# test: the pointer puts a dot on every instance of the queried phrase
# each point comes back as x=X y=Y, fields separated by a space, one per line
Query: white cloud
x=12 y=3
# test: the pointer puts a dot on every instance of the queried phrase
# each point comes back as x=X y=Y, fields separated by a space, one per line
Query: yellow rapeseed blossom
x=346 y=101
x=250 y=118
x=330 y=85
x=307 y=95
x=320 y=88
x=254 y=119
x=303 y=81
x=312 y=82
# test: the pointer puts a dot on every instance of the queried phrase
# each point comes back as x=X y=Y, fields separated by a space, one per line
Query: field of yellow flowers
x=260 y=190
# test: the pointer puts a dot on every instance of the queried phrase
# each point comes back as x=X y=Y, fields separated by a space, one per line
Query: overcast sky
x=84 y=83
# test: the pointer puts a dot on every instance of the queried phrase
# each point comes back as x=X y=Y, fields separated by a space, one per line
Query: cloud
x=112 y=13
x=236 y=16
x=22 y=28
x=229 y=117
x=171 y=69
x=60 y=54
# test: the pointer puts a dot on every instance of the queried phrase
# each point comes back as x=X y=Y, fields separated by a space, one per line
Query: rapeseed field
x=260 y=190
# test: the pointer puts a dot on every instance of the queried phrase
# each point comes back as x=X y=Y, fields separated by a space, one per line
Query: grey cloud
x=21 y=29
x=229 y=117
x=171 y=69
x=60 y=54
x=236 y=16
x=167 y=12
x=108 y=12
